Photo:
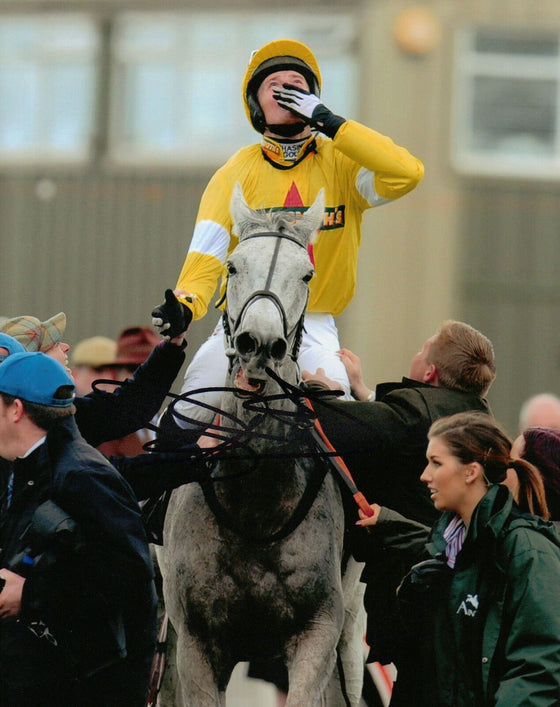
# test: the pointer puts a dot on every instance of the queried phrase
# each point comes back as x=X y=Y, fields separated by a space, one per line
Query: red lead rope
x=338 y=463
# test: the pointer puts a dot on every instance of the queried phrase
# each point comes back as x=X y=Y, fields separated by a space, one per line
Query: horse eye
x=308 y=277
x=231 y=268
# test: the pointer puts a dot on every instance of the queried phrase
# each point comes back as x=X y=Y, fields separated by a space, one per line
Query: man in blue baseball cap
x=103 y=417
x=77 y=599
x=37 y=378
x=8 y=346
x=131 y=406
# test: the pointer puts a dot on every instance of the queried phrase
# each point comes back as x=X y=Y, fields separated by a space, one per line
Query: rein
x=300 y=511
x=339 y=465
x=324 y=444
x=326 y=453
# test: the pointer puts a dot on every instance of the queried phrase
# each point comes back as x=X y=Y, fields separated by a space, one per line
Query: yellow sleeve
x=199 y=277
x=209 y=247
x=396 y=171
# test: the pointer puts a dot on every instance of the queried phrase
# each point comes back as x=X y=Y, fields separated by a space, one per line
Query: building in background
x=114 y=114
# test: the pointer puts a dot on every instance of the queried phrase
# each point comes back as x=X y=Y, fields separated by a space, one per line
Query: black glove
x=424 y=578
x=308 y=107
x=172 y=317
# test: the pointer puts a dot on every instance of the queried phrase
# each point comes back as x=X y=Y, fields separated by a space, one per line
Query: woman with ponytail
x=481 y=613
x=540 y=446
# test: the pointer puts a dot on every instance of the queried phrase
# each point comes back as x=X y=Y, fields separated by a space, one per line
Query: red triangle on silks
x=293 y=197
x=293 y=200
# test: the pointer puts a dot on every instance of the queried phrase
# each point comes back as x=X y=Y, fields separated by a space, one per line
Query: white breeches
x=208 y=368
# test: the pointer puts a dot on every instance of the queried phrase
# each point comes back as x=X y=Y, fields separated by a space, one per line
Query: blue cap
x=36 y=377
x=12 y=345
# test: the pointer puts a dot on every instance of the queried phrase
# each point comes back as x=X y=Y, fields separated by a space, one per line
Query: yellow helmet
x=278 y=55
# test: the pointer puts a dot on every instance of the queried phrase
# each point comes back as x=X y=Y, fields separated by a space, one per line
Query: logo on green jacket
x=469 y=606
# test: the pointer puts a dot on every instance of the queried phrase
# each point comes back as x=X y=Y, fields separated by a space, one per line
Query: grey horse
x=253 y=561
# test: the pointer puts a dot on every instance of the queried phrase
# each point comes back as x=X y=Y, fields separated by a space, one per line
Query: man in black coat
x=77 y=608
x=103 y=416
x=383 y=441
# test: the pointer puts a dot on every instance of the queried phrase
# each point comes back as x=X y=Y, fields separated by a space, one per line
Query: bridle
x=231 y=325
x=318 y=471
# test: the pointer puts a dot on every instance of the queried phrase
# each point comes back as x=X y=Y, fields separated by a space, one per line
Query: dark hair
x=45 y=416
x=542 y=448
x=464 y=358
x=477 y=437
x=532 y=497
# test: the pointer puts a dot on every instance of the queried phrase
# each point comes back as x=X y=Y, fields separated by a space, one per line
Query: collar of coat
x=495 y=515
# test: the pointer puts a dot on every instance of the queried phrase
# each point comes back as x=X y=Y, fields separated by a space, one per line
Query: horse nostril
x=245 y=344
x=278 y=349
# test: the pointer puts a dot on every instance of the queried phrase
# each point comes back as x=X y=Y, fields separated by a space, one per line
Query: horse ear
x=313 y=218
x=238 y=208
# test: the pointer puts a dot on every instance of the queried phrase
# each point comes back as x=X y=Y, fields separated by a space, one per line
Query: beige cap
x=96 y=352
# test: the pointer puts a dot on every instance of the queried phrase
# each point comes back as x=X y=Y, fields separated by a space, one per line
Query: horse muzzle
x=249 y=347
x=260 y=338
x=254 y=356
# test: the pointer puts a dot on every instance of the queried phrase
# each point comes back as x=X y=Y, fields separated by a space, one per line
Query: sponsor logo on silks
x=469 y=606
x=334 y=216
x=270 y=147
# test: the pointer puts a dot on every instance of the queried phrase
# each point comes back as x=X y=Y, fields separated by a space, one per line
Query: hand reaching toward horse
x=172 y=317
x=353 y=366
x=319 y=380
x=367 y=521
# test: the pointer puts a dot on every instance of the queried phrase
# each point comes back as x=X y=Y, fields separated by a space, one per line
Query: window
x=176 y=80
x=507 y=104
x=47 y=87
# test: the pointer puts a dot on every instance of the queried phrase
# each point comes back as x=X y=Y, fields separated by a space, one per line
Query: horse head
x=267 y=288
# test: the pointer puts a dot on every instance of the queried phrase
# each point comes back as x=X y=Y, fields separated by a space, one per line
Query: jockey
x=305 y=147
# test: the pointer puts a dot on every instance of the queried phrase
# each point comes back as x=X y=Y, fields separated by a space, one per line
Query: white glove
x=308 y=107
x=297 y=101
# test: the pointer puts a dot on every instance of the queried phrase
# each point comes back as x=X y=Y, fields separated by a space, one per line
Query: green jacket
x=492 y=633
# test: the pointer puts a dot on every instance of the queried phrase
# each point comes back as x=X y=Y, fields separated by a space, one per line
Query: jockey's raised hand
x=308 y=107
x=172 y=317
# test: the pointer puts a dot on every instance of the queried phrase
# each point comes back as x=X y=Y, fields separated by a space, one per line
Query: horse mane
x=268 y=220
x=302 y=226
